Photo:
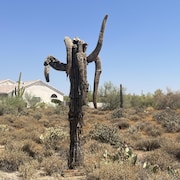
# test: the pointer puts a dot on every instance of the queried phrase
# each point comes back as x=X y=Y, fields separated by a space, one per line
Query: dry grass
x=38 y=141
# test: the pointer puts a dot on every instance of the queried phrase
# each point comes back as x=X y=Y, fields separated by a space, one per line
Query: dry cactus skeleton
x=76 y=69
x=76 y=47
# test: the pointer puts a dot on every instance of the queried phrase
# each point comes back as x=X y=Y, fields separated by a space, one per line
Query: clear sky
x=141 y=47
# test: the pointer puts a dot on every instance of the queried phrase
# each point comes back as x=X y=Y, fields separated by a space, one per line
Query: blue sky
x=141 y=47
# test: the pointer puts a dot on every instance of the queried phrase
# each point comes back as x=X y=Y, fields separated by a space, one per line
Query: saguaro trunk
x=78 y=96
x=121 y=96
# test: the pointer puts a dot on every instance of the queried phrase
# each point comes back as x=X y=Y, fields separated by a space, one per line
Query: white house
x=38 y=89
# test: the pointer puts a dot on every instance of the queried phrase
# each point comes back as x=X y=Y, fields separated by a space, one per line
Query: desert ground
x=127 y=144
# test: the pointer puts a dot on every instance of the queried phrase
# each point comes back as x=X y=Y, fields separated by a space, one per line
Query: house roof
x=6 y=81
x=35 y=82
x=6 y=88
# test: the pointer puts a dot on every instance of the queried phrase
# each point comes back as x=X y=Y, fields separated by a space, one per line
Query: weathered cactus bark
x=78 y=99
x=76 y=69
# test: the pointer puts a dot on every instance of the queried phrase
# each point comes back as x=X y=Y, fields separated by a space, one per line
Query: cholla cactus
x=52 y=136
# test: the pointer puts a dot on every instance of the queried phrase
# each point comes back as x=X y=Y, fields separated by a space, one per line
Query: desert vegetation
x=139 y=141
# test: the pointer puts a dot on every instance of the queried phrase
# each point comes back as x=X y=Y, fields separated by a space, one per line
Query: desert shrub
x=178 y=138
x=52 y=136
x=158 y=160
x=11 y=160
x=109 y=96
x=162 y=101
x=138 y=127
x=28 y=169
x=4 y=127
x=172 y=148
x=116 y=171
x=134 y=117
x=53 y=165
x=106 y=134
x=33 y=149
x=137 y=101
x=60 y=109
x=141 y=125
x=56 y=110
x=153 y=130
x=147 y=144
x=163 y=175
x=37 y=115
x=123 y=124
x=117 y=113
x=32 y=101
x=93 y=147
x=44 y=121
x=1 y=110
x=13 y=105
x=169 y=119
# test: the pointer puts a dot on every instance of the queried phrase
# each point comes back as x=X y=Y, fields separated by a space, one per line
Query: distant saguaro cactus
x=76 y=69
x=121 y=96
x=19 y=90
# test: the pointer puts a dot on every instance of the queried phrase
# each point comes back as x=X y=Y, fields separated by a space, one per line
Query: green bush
x=109 y=96
x=13 y=105
x=32 y=101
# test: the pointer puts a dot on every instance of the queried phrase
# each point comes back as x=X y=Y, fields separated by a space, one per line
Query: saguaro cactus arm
x=98 y=71
x=96 y=51
x=69 y=45
x=94 y=57
x=54 y=63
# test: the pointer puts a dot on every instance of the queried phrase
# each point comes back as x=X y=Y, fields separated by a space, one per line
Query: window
x=53 y=96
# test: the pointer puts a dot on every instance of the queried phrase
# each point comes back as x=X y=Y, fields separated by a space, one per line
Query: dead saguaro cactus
x=76 y=69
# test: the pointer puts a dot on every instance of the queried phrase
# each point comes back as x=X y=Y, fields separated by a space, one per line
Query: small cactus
x=122 y=154
x=130 y=155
